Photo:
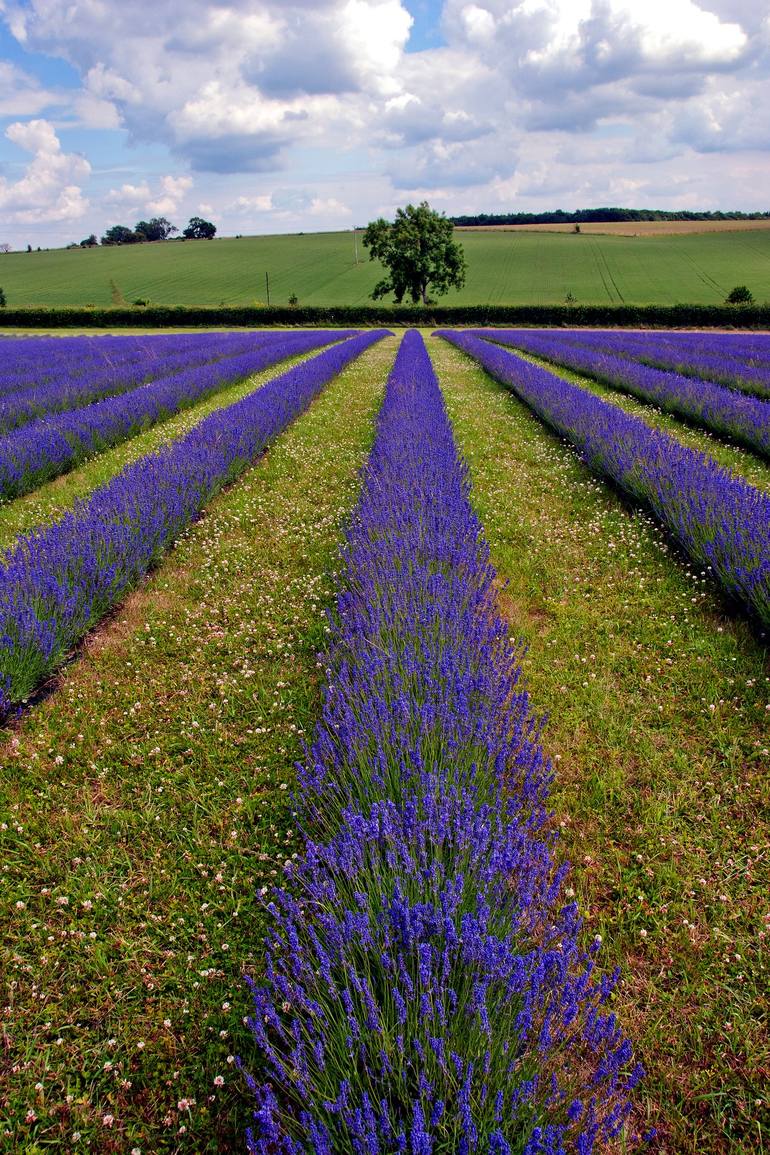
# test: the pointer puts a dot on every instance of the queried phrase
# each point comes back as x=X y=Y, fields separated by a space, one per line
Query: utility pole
x=355 y=243
x=267 y=288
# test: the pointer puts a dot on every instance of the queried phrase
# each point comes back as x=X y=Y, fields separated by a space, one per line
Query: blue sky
x=426 y=29
x=322 y=114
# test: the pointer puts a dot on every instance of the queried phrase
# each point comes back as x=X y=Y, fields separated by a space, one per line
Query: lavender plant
x=56 y=443
x=735 y=415
x=736 y=360
x=60 y=579
x=426 y=991
x=719 y=519
x=51 y=375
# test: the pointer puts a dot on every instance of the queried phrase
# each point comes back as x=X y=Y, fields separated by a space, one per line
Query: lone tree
x=418 y=252
x=740 y=295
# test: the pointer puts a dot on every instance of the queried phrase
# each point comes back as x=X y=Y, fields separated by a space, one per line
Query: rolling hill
x=504 y=267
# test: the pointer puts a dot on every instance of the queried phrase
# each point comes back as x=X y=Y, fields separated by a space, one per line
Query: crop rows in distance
x=73 y=425
x=719 y=519
x=59 y=580
x=731 y=412
x=417 y=967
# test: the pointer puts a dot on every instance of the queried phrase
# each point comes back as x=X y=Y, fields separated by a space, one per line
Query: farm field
x=149 y=799
x=320 y=268
x=631 y=228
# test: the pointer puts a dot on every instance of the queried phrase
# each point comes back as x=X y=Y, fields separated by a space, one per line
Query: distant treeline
x=603 y=216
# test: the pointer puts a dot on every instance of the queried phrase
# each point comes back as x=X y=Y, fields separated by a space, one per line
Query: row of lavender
x=719 y=519
x=27 y=362
x=729 y=413
x=60 y=579
x=738 y=360
x=50 y=446
x=42 y=375
x=425 y=988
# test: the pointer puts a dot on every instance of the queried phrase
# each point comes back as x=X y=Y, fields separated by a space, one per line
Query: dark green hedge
x=641 y=316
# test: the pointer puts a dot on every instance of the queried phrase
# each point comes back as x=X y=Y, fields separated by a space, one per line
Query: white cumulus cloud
x=162 y=201
x=173 y=189
x=520 y=101
x=20 y=93
x=50 y=187
x=228 y=88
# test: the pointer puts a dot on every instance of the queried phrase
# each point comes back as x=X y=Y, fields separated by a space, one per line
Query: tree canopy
x=419 y=253
x=156 y=229
x=198 y=230
x=121 y=235
x=740 y=295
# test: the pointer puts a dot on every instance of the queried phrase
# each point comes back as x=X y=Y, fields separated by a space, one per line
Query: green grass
x=320 y=268
x=657 y=699
x=146 y=803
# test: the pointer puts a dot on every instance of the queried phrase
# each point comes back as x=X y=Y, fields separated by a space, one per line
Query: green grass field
x=320 y=268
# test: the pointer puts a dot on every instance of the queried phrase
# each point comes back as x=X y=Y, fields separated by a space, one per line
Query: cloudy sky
x=269 y=116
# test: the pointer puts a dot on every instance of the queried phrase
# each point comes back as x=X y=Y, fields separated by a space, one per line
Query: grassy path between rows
x=738 y=460
x=147 y=802
x=48 y=502
x=658 y=699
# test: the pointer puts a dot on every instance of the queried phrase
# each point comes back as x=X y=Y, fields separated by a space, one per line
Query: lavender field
x=385 y=742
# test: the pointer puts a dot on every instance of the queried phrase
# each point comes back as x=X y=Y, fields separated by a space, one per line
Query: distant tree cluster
x=199 y=230
x=602 y=216
x=156 y=229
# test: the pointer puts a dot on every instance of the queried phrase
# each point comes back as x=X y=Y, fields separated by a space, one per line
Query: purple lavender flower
x=55 y=443
x=426 y=905
x=729 y=413
x=738 y=360
x=719 y=519
x=42 y=375
x=59 y=579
